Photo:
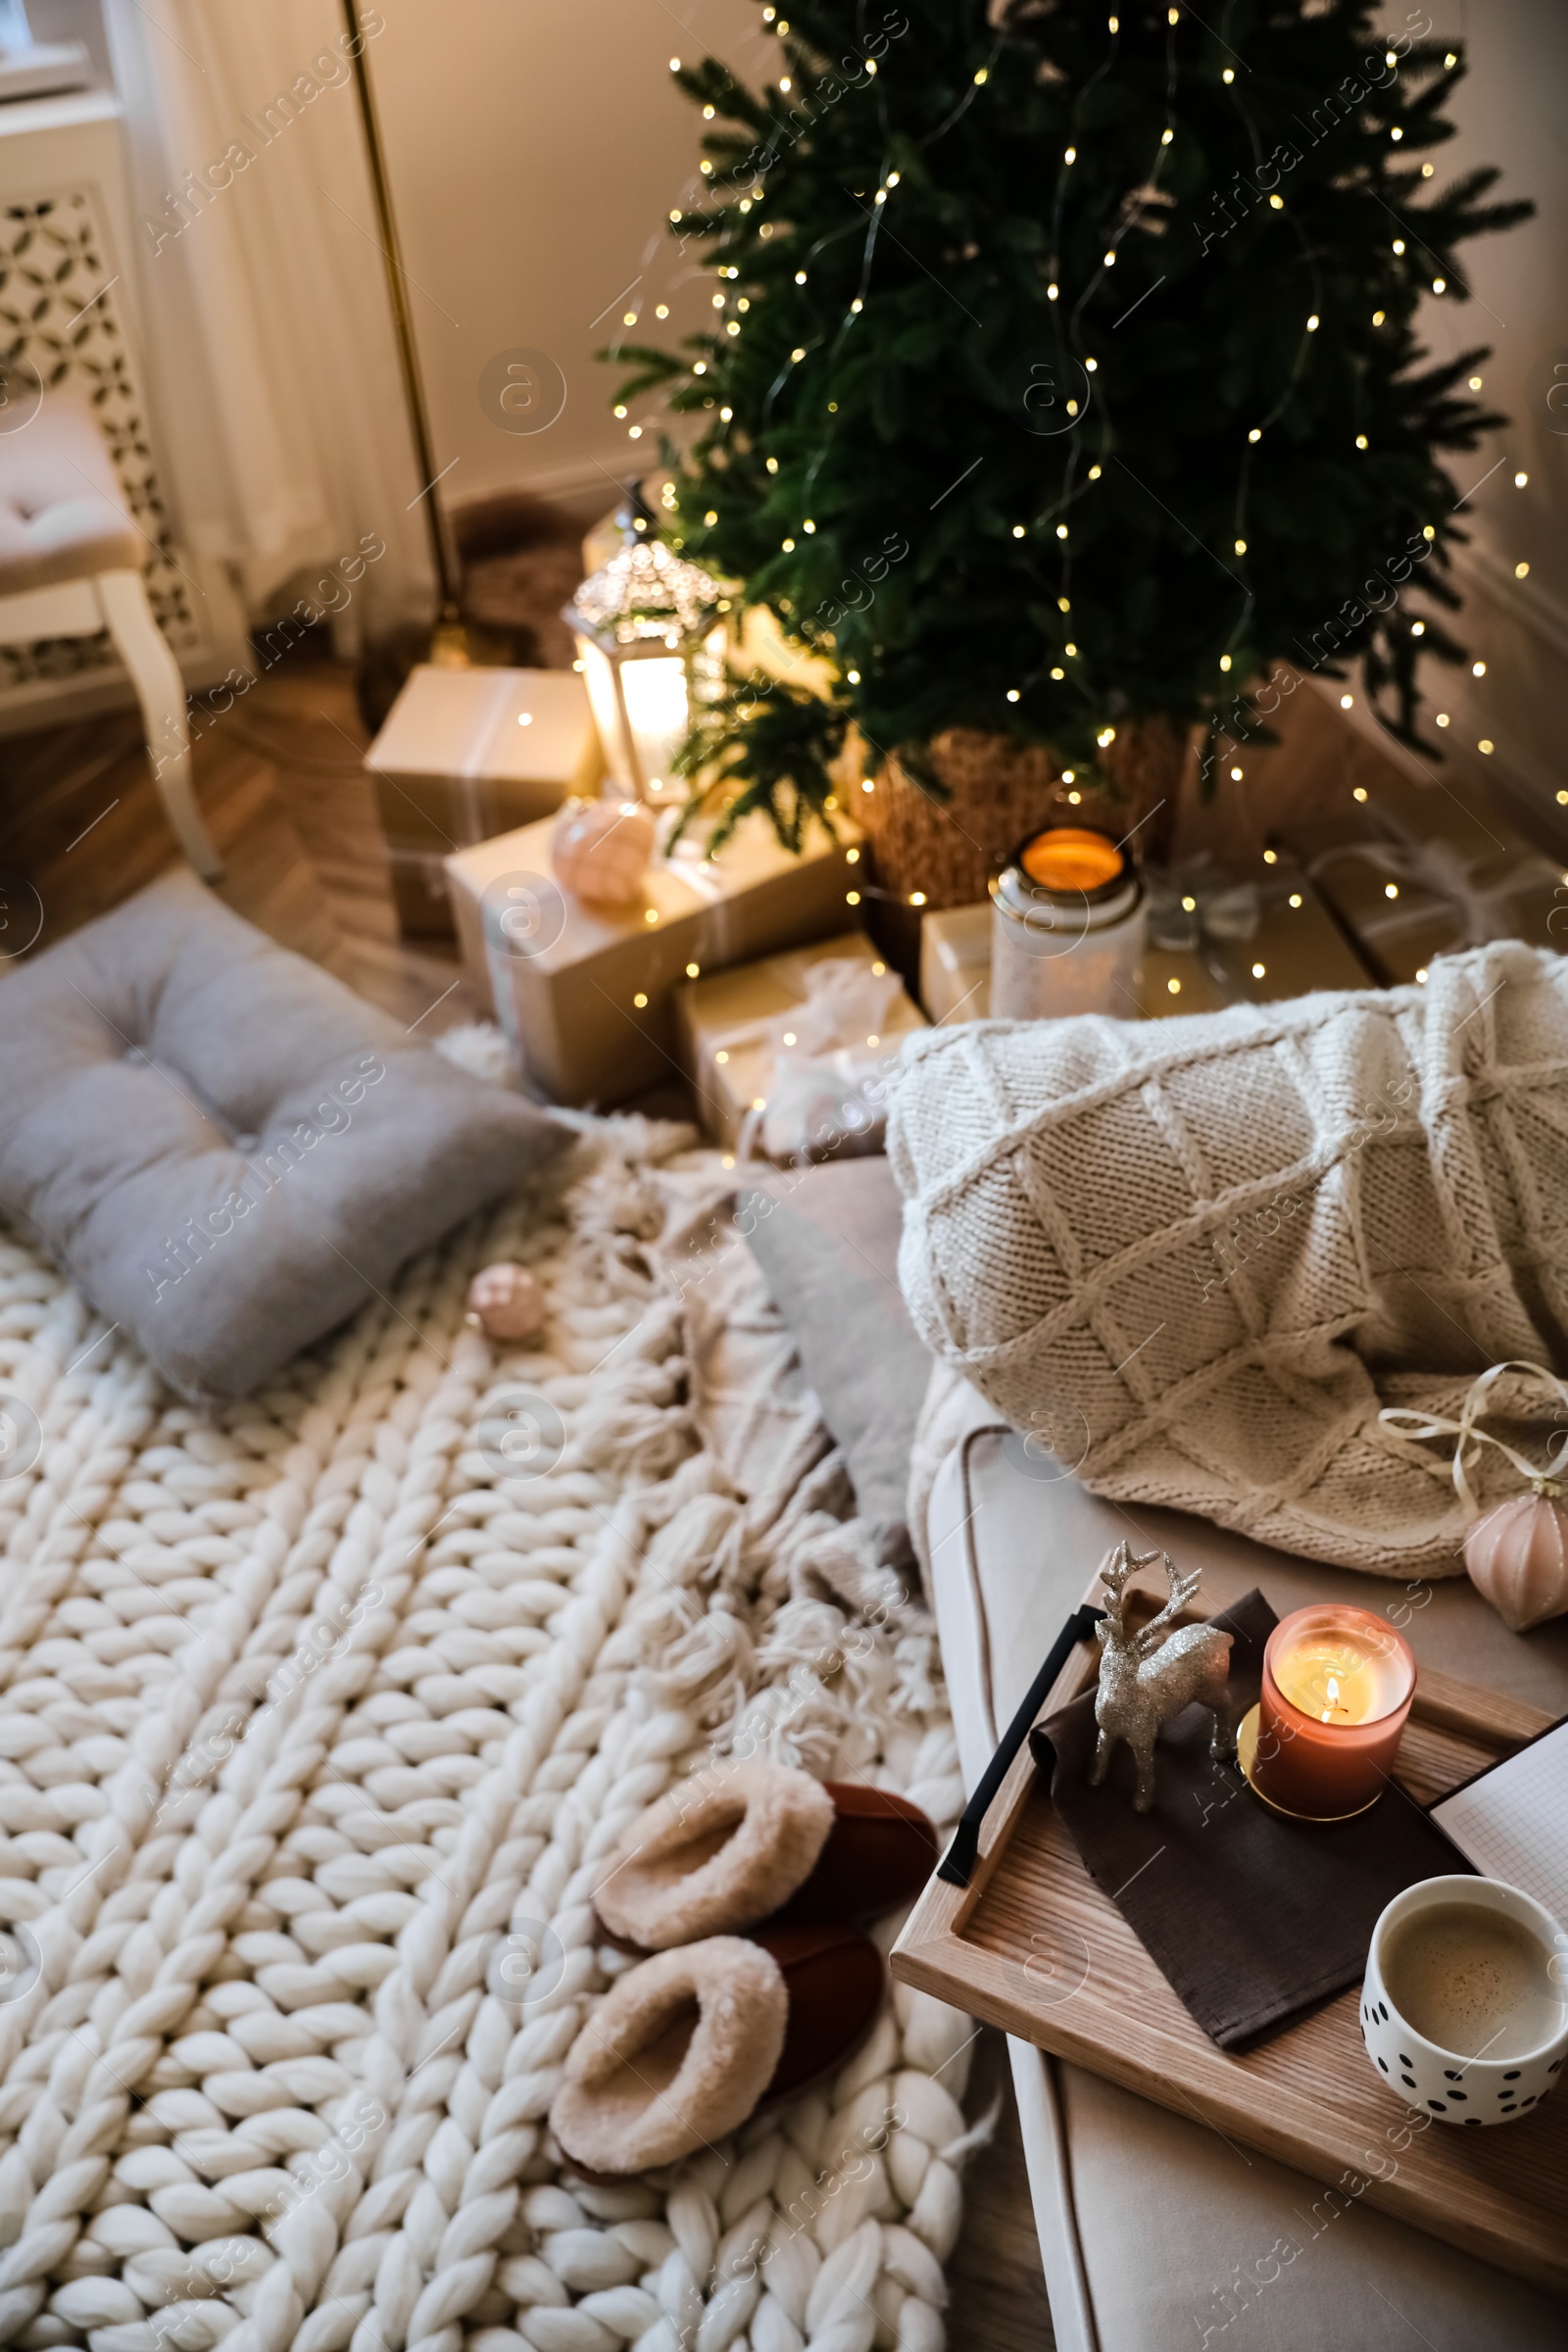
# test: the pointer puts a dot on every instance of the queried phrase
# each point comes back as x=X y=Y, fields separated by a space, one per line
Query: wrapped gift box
x=586 y=993
x=1250 y=938
x=1419 y=871
x=733 y=1026
x=469 y=753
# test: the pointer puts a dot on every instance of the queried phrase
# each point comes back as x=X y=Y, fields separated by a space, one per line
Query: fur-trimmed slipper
x=689 y=2046
x=762 y=1842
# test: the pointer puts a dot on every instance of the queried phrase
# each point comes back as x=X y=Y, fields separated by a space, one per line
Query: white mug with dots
x=1464 y=2010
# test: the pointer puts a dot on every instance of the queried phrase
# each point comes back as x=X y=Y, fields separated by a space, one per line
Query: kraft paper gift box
x=585 y=992
x=1420 y=870
x=465 y=754
x=1253 y=938
x=738 y=1027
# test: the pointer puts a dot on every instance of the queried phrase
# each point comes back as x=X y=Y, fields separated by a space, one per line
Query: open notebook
x=1512 y=1823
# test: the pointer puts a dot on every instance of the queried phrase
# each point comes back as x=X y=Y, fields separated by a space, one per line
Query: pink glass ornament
x=1517 y=1556
x=601 y=849
x=505 y=1302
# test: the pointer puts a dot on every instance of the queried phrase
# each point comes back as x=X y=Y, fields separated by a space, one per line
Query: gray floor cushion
x=225 y=1147
x=828 y=1239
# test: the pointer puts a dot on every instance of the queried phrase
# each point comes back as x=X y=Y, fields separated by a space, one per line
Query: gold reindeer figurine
x=1147 y=1676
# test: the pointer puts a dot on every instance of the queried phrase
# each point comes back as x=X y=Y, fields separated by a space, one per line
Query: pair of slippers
x=750 y=1896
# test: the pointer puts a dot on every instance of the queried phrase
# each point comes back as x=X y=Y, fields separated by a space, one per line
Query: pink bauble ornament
x=505 y=1302
x=600 y=850
x=1517 y=1556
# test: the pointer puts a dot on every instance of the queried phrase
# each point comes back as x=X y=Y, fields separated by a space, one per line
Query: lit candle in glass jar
x=1068 y=929
x=1337 y=1683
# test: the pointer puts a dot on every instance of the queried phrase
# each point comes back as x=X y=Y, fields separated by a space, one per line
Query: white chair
x=70 y=564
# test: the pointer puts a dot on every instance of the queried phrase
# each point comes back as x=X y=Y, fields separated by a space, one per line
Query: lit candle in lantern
x=1337 y=1683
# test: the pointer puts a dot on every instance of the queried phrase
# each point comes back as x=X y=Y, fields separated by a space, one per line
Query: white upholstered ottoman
x=1155 y=2232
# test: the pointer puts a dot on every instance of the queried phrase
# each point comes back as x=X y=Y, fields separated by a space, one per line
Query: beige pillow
x=1192 y=1258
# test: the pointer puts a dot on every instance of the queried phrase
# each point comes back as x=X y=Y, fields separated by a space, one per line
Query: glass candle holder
x=1067 y=931
x=1337 y=1683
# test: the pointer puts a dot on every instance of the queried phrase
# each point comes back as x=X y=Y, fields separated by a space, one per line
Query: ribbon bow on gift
x=1481 y=911
x=1434 y=1425
x=826 y=1092
x=846 y=1005
x=1192 y=907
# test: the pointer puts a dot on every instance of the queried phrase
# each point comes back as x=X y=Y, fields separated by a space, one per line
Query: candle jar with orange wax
x=1337 y=1683
x=1067 y=930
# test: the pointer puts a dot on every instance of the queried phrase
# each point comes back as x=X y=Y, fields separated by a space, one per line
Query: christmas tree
x=1064 y=370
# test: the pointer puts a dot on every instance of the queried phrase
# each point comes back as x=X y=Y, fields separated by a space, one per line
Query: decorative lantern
x=650 y=641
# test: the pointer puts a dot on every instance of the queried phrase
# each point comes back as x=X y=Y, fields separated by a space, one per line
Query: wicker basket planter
x=1000 y=790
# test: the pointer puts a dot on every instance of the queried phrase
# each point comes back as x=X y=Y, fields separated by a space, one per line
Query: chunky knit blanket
x=1194 y=1259
x=318 y=1714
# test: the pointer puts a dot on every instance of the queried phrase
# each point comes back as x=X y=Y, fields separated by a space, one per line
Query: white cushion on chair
x=62 y=511
x=1144 y=2215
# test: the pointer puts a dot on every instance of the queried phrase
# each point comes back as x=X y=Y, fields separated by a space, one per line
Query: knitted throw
x=319 y=1715
x=1194 y=1258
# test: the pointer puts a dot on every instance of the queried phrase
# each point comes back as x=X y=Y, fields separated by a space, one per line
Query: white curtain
x=261 y=283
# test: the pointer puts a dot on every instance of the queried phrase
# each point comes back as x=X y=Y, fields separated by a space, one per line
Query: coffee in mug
x=1473 y=1981
x=1464 y=2009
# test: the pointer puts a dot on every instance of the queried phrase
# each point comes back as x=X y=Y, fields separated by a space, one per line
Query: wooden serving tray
x=1033 y=1945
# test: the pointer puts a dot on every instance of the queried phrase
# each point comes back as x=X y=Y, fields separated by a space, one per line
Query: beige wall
x=537 y=148
x=1511 y=110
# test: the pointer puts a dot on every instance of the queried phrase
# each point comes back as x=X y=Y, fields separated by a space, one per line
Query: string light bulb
x=1519 y=480
x=1419 y=628
x=1478 y=669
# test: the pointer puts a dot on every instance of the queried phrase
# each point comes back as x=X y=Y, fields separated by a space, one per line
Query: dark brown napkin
x=1254 y=1920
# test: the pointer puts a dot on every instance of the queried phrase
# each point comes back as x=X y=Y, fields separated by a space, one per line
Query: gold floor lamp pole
x=451 y=644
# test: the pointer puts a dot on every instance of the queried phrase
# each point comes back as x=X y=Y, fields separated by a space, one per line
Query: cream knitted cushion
x=1194 y=1258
